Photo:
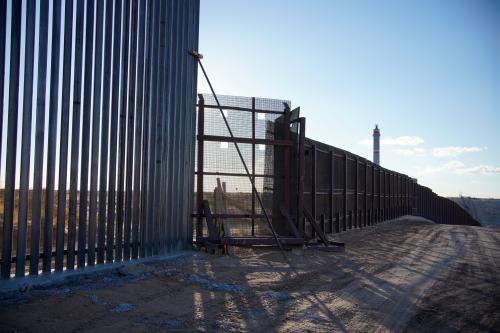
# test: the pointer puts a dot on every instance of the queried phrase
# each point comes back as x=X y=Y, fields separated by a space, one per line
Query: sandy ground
x=407 y=275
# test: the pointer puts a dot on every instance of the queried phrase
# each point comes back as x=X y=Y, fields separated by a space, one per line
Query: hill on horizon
x=486 y=211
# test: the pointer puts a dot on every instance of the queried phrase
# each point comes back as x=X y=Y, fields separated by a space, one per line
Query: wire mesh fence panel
x=257 y=127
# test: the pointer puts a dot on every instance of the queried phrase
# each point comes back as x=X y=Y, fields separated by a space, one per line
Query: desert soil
x=407 y=275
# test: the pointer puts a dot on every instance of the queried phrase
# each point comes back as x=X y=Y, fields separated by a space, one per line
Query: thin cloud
x=366 y=142
x=399 y=141
x=458 y=167
x=418 y=152
x=448 y=166
x=482 y=169
x=455 y=151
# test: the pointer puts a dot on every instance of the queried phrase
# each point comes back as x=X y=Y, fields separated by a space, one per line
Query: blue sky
x=428 y=72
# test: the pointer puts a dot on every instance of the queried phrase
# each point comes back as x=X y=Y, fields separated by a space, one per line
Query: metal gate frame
x=286 y=143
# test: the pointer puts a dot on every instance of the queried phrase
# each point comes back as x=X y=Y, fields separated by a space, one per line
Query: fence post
x=387 y=190
x=398 y=198
x=26 y=141
x=366 y=194
x=404 y=195
x=39 y=140
x=75 y=137
x=199 y=173
x=64 y=125
x=12 y=134
x=372 y=210
x=390 y=194
x=253 y=165
x=356 y=189
x=344 y=223
x=332 y=179
x=86 y=115
x=286 y=156
x=380 y=195
x=302 y=139
x=401 y=195
x=313 y=185
x=398 y=194
x=408 y=196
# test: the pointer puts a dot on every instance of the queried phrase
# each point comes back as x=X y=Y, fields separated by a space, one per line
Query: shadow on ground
x=406 y=275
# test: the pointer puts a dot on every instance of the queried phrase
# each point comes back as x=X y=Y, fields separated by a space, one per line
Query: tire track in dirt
x=469 y=298
x=383 y=292
x=405 y=275
x=414 y=286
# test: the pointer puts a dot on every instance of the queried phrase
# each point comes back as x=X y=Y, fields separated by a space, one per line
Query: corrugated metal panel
x=118 y=131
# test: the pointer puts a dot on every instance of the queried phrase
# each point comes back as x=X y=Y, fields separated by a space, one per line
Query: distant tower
x=376 y=145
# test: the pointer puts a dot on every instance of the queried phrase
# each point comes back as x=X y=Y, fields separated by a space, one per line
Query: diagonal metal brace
x=198 y=57
x=316 y=227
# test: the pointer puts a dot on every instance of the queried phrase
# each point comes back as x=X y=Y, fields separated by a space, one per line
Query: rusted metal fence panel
x=364 y=193
x=118 y=130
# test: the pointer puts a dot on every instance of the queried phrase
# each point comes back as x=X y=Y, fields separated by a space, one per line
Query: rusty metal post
x=383 y=216
x=407 y=191
x=397 y=179
x=366 y=195
x=286 y=156
x=414 y=201
x=302 y=139
x=313 y=189
x=199 y=174
x=379 y=215
x=390 y=193
x=405 y=195
x=332 y=173
x=344 y=223
x=372 y=210
x=253 y=165
x=400 y=193
x=396 y=195
x=384 y=203
x=410 y=201
x=388 y=196
x=356 y=189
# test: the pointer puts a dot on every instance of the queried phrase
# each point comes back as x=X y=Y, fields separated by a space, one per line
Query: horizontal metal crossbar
x=235 y=174
x=238 y=108
x=233 y=216
x=245 y=140
x=249 y=241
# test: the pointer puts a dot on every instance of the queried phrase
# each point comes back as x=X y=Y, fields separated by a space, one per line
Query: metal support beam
x=332 y=179
x=344 y=222
x=253 y=164
x=356 y=190
x=200 y=166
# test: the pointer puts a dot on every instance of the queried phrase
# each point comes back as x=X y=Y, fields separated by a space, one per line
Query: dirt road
x=407 y=275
